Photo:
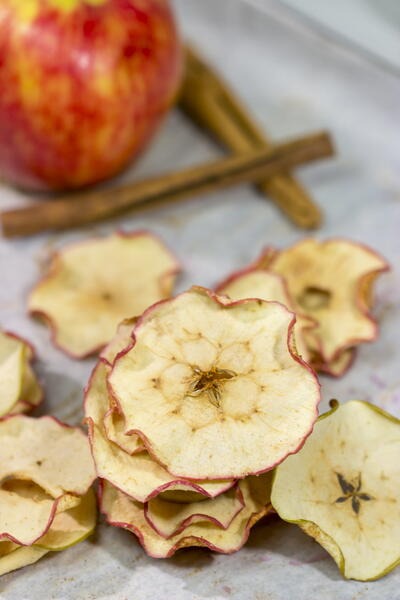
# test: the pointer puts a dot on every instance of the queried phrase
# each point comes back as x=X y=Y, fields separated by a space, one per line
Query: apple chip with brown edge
x=331 y=282
x=135 y=473
x=122 y=511
x=45 y=469
x=91 y=286
x=260 y=283
x=215 y=388
x=343 y=489
x=20 y=390
x=335 y=368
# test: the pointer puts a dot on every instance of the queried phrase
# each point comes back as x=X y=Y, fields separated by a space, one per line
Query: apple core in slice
x=138 y=475
x=214 y=388
x=343 y=489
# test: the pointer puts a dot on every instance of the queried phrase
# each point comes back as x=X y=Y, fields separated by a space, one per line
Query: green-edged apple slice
x=343 y=489
x=31 y=392
x=11 y=380
x=71 y=526
x=19 y=388
x=138 y=475
x=91 y=286
x=67 y=529
x=215 y=388
x=122 y=511
x=13 y=557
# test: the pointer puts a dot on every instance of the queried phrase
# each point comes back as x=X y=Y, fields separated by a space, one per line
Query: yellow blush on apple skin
x=27 y=10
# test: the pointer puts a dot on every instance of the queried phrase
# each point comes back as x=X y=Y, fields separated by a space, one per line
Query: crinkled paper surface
x=296 y=81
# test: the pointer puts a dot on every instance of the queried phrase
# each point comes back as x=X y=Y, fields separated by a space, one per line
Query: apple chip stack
x=189 y=409
x=46 y=503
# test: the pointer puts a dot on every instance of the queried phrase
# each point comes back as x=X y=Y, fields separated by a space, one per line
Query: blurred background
x=369 y=27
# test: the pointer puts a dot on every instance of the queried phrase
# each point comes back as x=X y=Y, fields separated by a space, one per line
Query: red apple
x=83 y=86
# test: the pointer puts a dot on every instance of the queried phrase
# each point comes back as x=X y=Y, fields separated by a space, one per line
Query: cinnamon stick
x=207 y=100
x=102 y=204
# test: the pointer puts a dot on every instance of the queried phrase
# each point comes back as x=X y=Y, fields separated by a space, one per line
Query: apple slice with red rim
x=93 y=285
x=215 y=388
x=122 y=511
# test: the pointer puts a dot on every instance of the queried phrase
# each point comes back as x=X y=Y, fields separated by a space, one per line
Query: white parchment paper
x=295 y=81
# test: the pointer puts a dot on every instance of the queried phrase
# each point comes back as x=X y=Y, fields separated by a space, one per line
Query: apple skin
x=84 y=84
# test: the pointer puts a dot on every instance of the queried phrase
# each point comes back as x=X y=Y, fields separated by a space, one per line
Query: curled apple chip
x=67 y=529
x=122 y=511
x=39 y=475
x=257 y=283
x=19 y=388
x=170 y=518
x=343 y=489
x=114 y=429
x=71 y=526
x=137 y=473
x=13 y=557
x=90 y=287
x=332 y=282
x=214 y=388
x=336 y=367
x=120 y=341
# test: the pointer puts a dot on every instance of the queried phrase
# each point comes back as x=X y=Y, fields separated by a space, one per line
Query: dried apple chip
x=11 y=376
x=90 y=287
x=31 y=393
x=122 y=511
x=114 y=420
x=343 y=489
x=215 y=388
x=13 y=557
x=120 y=341
x=71 y=526
x=19 y=388
x=67 y=529
x=137 y=474
x=336 y=367
x=39 y=475
x=170 y=518
x=257 y=283
x=332 y=283
x=114 y=429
